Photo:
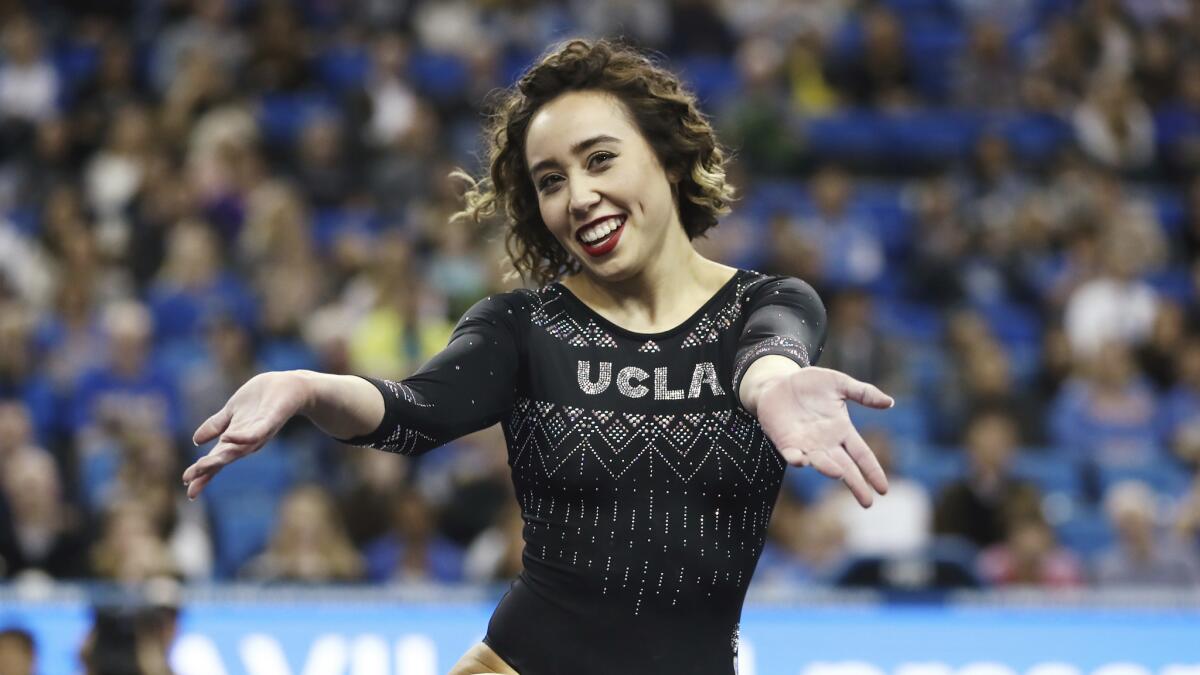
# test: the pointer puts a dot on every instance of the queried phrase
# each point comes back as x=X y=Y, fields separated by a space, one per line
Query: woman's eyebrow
x=576 y=149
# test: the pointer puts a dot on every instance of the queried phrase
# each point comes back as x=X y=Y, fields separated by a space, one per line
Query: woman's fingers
x=865 y=393
x=866 y=461
x=212 y=427
x=196 y=476
x=251 y=433
x=853 y=478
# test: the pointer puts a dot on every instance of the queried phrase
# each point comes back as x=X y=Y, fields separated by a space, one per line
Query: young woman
x=651 y=398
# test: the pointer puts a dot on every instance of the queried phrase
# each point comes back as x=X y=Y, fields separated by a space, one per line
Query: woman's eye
x=548 y=181
x=601 y=157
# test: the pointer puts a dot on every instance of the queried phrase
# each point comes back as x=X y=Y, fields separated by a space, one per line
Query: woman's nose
x=584 y=196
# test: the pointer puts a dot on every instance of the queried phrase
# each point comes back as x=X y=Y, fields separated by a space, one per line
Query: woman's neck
x=667 y=291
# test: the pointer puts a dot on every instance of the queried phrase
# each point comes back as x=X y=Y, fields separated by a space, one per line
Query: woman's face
x=601 y=190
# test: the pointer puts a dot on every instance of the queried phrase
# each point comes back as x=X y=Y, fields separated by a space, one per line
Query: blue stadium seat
x=713 y=79
x=1175 y=283
x=268 y=471
x=342 y=69
x=1051 y=472
x=1165 y=477
x=848 y=136
x=935 y=469
x=241 y=526
x=909 y=321
x=1011 y=322
x=439 y=76
x=1036 y=138
x=75 y=62
x=932 y=136
x=905 y=420
x=282 y=117
x=1086 y=532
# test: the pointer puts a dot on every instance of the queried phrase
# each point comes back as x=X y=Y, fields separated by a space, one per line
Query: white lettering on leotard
x=630 y=381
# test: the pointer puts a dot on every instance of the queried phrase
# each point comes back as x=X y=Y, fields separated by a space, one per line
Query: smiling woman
x=651 y=399
x=624 y=88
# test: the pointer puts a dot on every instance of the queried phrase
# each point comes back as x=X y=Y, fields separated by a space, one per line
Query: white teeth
x=599 y=231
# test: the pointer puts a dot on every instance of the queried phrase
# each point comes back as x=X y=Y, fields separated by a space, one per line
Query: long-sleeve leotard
x=644 y=485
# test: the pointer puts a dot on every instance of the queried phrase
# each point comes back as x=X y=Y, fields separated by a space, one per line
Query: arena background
x=997 y=200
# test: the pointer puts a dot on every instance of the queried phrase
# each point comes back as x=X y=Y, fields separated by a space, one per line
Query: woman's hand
x=804 y=414
x=251 y=417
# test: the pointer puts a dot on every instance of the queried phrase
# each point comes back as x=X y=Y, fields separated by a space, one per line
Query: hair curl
x=664 y=111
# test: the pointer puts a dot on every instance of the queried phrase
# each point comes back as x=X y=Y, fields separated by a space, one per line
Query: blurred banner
x=332 y=637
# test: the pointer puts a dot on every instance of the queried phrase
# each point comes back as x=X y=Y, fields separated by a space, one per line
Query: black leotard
x=644 y=485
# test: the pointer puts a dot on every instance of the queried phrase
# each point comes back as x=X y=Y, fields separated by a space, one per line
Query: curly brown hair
x=664 y=111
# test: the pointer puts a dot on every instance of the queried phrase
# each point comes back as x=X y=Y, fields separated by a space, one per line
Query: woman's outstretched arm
x=802 y=408
x=467 y=386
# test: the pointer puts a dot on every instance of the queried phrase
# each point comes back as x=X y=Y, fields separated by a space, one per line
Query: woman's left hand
x=804 y=414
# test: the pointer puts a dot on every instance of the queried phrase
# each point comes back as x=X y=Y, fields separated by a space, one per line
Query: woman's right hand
x=251 y=417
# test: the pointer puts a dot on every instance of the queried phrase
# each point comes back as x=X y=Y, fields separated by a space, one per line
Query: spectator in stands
x=1030 y=555
x=1182 y=404
x=279 y=53
x=399 y=331
x=127 y=389
x=21 y=384
x=1116 y=306
x=982 y=379
x=365 y=502
x=1114 y=127
x=758 y=119
x=847 y=247
x=495 y=555
x=804 y=543
x=786 y=251
x=699 y=29
x=53 y=160
x=1143 y=556
x=939 y=244
x=229 y=362
x=323 y=173
x=902 y=527
x=29 y=85
x=16 y=430
x=1187 y=520
x=130 y=550
x=862 y=350
x=114 y=176
x=1108 y=34
x=986 y=74
x=1060 y=58
x=1156 y=68
x=144 y=474
x=309 y=544
x=994 y=189
x=113 y=85
x=980 y=506
x=1157 y=357
x=18 y=652
x=40 y=533
x=208 y=26
x=191 y=288
x=129 y=640
x=1109 y=416
x=878 y=74
x=413 y=550
x=1178 y=121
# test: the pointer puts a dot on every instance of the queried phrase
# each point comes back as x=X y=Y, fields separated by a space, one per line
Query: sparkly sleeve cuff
x=779 y=345
x=391 y=435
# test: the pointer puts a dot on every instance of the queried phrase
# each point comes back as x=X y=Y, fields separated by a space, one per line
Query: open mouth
x=602 y=238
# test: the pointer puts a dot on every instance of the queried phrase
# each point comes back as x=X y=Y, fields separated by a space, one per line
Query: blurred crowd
x=998 y=200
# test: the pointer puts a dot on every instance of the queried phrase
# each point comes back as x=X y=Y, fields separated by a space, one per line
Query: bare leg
x=481 y=660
